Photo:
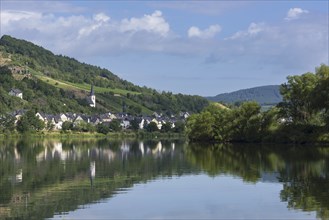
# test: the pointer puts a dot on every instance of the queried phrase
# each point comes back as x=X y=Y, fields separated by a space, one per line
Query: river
x=161 y=179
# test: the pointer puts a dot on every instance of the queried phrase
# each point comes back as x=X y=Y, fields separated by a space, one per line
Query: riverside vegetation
x=302 y=116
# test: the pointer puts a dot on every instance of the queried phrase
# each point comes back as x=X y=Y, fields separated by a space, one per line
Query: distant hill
x=264 y=95
x=56 y=83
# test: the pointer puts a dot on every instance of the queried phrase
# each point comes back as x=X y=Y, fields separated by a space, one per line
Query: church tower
x=92 y=97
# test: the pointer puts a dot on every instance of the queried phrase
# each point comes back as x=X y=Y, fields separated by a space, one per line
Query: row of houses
x=125 y=120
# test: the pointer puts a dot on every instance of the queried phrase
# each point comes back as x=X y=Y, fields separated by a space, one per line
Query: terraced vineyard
x=76 y=86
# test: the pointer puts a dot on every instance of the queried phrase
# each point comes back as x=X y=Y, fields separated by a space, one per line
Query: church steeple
x=92 y=97
x=92 y=90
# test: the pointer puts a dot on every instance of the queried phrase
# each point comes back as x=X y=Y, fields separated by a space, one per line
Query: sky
x=192 y=47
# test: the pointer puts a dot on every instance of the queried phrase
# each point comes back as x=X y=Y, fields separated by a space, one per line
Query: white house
x=141 y=123
x=80 y=118
x=63 y=117
x=16 y=92
x=158 y=123
x=184 y=115
x=42 y=117
x=125 y=123
x=18 y=114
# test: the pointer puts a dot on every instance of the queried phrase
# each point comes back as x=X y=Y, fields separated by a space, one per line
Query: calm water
x=162 y=180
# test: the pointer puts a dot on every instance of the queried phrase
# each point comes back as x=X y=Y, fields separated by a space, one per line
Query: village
x=125 y=121
x=56 y=121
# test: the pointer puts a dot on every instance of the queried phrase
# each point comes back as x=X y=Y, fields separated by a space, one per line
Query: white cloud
x=295 y=13
x=101 y=17
x=99 y=20
x=68 y=34
x=205 y=34
x=291 y=46
x=202 y=7
x=253 y=30
x=286 y=43
x=153 y=23
x=9 y=16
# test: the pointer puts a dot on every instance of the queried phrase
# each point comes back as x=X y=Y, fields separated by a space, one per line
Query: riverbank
x=87 y=135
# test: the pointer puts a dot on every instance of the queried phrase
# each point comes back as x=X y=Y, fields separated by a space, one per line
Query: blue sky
x=191 y=47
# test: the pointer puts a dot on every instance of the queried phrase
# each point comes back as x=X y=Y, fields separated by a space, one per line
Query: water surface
x=161 y=179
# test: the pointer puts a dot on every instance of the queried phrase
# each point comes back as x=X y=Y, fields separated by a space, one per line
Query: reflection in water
x=61 y=173
x=303 y=171
x=92 y=172
x=43 y=178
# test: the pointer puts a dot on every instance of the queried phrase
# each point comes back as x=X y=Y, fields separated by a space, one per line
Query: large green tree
x=216 y=123
x=320 y=94
x=201 y=126
x=29 y=122
x=306 y=98
x=115 y=125
x=297 y=97
x=152 y=127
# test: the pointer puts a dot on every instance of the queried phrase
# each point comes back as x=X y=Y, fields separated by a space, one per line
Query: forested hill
x=263 y=95
x=56 y=83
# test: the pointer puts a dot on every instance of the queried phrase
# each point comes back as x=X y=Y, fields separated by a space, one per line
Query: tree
x=152 y=127
x=102 y=128
x=50 y=126
x=217 y=123
x=201 y=126
x=166 y=127
x=306 y=98
x=84 y=127
x=23 y=125
x=134 y=125
x=179 y=127
x=320 y=94
x=297 y=97
x=247 y=122
x=29 y=122
x=67 y=125
x=7 y=123
x=115 y=125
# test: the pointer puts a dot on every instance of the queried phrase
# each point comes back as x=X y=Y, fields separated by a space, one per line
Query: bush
x=102 y=128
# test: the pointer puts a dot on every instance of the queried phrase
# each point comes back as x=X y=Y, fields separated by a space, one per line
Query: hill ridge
x=53 y=78
x=268 y=94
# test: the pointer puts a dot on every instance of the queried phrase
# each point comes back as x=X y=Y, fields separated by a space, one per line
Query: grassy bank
x=145 y=135
x=87 y=135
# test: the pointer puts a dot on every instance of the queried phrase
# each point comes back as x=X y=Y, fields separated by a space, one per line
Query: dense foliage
x=302 y=116
x=306 y=97
x=29 y=123
x=62 y=67
x=37 y=95
x=224 y=125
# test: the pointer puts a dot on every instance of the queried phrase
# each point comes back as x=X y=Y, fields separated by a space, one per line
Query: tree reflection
x=306 y=183
x=303 y=171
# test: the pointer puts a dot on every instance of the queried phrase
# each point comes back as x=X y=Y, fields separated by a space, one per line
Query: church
x=92 y=98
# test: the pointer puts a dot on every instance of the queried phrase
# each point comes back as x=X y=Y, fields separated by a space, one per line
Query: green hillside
x=264 y=95
x=56 y=83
